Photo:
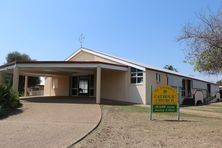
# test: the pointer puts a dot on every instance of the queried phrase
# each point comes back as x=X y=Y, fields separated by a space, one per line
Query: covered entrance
x=64 y=78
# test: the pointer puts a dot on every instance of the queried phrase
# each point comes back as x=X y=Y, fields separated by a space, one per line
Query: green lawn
x=216 y=108
x=131 y=108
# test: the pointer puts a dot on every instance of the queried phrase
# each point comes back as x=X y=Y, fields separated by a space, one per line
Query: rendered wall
x=174 y=81
x=214 y=89
x=114 y=85
x=137 y=92
x=199 y=85
x=84 y=56
x=57 y=86
x=151 y=80
x=48 y=86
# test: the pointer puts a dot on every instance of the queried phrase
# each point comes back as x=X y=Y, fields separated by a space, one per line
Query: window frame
x=136 y=74
x=158 y=77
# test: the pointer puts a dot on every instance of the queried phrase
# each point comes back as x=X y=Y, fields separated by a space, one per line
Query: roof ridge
x=139 y=64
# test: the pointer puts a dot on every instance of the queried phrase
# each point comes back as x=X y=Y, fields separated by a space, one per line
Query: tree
x=16 y=56
x=219 y=82
x=170 y=67
x=204 y=43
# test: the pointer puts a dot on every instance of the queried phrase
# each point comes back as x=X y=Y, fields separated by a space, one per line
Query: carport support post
x=26 y=86
x=98 y=85
x=15 y=79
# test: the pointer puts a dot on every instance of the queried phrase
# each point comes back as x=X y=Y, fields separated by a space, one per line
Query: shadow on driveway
x=75 y=100
x=53 y=99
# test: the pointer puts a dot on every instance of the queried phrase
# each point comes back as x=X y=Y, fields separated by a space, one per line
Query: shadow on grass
x=116 y=103
x=179 y=121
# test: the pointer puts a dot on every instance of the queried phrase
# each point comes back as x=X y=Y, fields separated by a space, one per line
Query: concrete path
x=49 y=122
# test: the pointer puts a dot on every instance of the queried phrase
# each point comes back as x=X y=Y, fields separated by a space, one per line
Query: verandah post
x=26 y=86
x=98 y=85
x=15 y=82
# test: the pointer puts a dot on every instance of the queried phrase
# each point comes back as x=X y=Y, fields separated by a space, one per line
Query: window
x=136 y=76
x=158 y=78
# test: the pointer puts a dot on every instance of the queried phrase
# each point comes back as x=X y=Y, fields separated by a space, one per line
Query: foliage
x=127 y=108
x=9 y=100
x=7 y=78
x=204 y=43
x=17 y=56
x=219 y=82
x=170 y=67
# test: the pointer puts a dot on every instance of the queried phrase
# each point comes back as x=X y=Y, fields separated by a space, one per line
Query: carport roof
x=62 y=64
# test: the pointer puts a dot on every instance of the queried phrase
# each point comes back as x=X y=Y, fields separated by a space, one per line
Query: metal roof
x=135 y=64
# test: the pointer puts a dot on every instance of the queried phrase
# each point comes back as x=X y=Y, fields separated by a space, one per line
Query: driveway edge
x=80 y=139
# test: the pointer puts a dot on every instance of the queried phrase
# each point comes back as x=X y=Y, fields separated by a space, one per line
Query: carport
x=59 y=68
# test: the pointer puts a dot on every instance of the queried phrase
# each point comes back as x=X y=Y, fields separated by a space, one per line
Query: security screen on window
x=136 y=76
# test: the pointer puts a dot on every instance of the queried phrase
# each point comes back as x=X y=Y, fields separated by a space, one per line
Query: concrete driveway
x=49 y=122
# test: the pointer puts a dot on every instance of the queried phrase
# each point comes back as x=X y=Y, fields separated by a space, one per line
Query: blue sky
x=140 y=30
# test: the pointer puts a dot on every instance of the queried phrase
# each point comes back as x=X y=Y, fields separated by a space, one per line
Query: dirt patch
x=213 y=110
x=122 y=126
x=202 y=113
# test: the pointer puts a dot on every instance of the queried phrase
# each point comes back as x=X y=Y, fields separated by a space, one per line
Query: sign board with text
x=164 y=99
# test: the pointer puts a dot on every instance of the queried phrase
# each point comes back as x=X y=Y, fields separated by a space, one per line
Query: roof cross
x=81 y=39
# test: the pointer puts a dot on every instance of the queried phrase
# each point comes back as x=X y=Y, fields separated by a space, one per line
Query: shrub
x=9 y=100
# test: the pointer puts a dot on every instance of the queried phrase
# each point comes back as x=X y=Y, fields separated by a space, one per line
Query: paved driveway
x=49 y=122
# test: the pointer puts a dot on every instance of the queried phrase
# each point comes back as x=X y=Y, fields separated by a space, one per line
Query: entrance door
x=183 y=88
x=188 y=88
x=208 y=90
x=84 y=87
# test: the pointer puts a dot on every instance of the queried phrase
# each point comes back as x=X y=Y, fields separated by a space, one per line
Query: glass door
x=83 y=87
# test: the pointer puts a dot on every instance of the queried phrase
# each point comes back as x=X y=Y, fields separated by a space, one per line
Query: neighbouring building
x=88 y=73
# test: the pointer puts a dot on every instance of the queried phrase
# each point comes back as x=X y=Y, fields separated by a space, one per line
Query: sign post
x=151 y=106
x=165 y=99
x=178 y=111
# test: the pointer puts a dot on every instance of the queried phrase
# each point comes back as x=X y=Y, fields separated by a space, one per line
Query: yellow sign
x=164 y=99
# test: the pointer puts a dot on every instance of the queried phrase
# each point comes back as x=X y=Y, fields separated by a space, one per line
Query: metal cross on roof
x=81 y=39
